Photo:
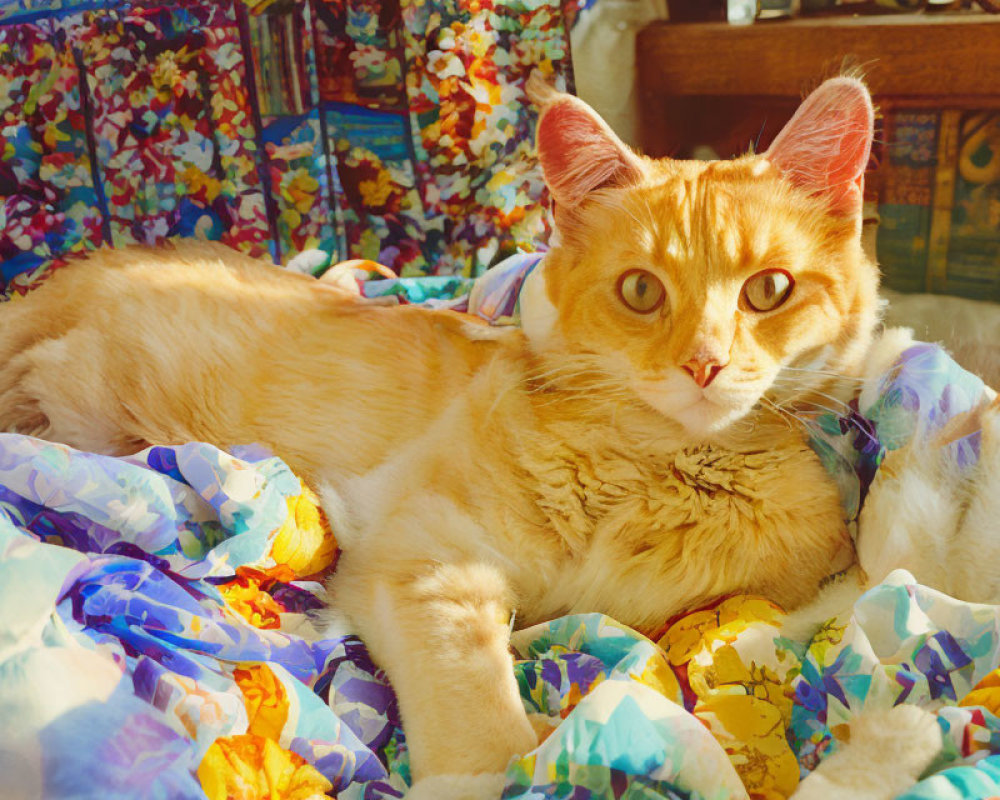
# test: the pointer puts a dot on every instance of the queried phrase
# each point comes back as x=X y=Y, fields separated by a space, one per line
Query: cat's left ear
x=578 y=151
x=824 y=148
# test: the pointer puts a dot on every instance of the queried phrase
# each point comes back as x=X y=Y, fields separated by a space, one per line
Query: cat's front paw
x=458 y=787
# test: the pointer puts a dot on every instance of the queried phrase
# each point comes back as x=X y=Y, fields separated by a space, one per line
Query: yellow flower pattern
x=742 y=688
x=305 y=543
x=265 y=699
x=250 y=767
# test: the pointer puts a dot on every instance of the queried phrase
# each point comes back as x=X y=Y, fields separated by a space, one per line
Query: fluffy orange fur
x=572 y=466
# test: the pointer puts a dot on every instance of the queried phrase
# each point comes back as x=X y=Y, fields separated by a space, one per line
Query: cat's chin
x=701 y=417
x=705 y=418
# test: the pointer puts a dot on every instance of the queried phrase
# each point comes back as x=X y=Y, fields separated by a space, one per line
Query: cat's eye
x=641 y=291
x=767 y=290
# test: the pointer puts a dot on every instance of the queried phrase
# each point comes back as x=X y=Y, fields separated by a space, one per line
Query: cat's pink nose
x=703 y=372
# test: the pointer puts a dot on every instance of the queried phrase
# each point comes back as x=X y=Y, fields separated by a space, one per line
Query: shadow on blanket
x=154 y=643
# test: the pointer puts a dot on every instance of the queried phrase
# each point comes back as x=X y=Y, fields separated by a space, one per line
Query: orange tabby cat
x=618 y=454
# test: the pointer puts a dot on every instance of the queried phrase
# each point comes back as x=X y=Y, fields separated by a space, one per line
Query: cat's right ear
x=578 y=151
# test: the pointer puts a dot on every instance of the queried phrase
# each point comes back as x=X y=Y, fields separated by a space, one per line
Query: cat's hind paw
x=888 y=751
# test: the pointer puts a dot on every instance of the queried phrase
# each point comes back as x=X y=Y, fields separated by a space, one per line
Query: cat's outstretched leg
x=441 y=632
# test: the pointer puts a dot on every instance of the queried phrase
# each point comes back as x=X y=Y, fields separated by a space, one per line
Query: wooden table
x=728 y=86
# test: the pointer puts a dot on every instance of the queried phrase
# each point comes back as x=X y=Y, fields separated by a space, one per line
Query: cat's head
x=702 y=285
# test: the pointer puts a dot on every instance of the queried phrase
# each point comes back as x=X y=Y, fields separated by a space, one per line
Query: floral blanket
x=155 y=643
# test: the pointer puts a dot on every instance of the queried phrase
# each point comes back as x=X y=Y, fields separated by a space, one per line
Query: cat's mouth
x=699 y=411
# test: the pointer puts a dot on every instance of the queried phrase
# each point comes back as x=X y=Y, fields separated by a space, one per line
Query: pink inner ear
x=825 y=146
x=580 y=153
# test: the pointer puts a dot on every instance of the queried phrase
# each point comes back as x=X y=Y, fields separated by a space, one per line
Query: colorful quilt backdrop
x=392 y=130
